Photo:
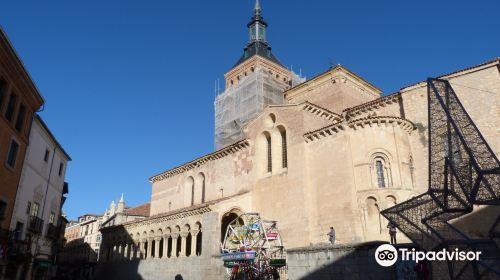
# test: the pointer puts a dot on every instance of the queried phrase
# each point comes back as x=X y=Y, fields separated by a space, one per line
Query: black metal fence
x=463 y=172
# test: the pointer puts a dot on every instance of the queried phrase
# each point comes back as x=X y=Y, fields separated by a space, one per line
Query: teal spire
x=257 y=43
x=257 y=26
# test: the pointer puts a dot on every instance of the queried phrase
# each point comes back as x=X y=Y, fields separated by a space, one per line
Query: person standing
x=331 y=235
x=392 y=231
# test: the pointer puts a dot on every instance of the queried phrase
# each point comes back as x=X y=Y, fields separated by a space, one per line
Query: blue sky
x=129 y=85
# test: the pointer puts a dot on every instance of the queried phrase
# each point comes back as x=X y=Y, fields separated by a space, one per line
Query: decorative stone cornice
x=357 y=124
x=324 y=132
x=231 y=149
x=372 y=105
x=394 y=121
x=320 y=111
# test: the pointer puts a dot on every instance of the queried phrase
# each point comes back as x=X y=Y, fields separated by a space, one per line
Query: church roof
x=331 y=70
x=141 y=210
x=258 y=48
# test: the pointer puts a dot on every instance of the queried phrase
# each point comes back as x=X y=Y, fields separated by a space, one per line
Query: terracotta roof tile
x=141 y=210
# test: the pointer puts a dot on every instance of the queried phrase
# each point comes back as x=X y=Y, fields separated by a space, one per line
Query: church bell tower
x=258 y=79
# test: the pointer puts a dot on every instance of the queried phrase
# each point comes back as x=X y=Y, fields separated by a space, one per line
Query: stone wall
x=205 y=266
x=336 y=262
x=193 y=268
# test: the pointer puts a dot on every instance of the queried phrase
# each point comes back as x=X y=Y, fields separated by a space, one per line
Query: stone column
x=364 y=210
x=123 y=250
x=143 y=249
x=113 y=253
x=135 y=245
x=157 y=247
x=194 y=236
x=126 y=251
x=150 y=248
x=136 y=250
x=131 y=250
x=165 y=246
x=174 y=245
x=183 y=243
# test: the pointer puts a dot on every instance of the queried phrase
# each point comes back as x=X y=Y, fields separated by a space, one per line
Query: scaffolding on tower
x=241 y=103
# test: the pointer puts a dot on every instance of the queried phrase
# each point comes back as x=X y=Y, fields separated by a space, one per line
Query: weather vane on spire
x=257 y=7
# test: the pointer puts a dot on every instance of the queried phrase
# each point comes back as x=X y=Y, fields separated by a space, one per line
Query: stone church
x=328 y=151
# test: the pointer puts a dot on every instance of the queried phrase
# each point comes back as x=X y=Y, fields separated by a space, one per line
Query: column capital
x=183 y=234
x=158 y=238
x=194 y=232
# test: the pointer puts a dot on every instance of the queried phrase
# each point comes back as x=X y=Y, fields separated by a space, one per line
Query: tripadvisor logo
x=387 y=255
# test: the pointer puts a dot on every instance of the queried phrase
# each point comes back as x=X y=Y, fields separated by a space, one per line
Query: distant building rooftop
x=141 y=210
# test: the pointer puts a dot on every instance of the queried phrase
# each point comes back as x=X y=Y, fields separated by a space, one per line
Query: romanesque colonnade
x=170 y=242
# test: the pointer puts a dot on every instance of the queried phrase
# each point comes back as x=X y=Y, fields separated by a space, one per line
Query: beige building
x=72 y=231
x=82 y=249
x=36 y=219
x=335 y=152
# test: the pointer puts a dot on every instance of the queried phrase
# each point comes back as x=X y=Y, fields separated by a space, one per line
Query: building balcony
x=35 y=224
x=53 y=232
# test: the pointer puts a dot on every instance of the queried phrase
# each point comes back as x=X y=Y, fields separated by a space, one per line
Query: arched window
x=160 y=251
x=372 y=218
x=153 y=248
x=269 y=153
x=379 y=167
x=189 y=191
x=372 y=206
x=284 y=157
x=202 y=188
x=169 y=246
x=198 y=196
x=381 y=171
x=199 y=240
x=192 y=195
x=390 y=201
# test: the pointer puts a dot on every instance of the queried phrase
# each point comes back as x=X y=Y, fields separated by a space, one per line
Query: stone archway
x=226 y=220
